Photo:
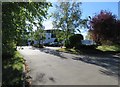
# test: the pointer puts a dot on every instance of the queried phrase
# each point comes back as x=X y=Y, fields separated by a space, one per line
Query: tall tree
x=39 y=35
x=60 y=35
x=104 y=28
x=14 y=21
x=67 y=17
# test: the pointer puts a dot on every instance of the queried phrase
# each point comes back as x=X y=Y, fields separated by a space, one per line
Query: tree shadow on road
x=42 y=78
x=103 y=59
x=51 y=51
x=110 y=63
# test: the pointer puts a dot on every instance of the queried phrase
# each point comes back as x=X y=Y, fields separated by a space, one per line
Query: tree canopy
x=105 y=28
x=15 y=18
x=67 y=17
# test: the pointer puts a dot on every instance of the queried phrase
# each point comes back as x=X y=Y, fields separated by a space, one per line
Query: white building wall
x=48 y=38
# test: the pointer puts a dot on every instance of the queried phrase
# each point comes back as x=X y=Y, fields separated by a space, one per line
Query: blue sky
x=89 y=9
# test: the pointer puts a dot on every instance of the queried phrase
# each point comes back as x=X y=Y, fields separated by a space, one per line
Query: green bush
x=8 y=50
x=75 y=40
x=87 y=47
x=67 y=44
x=38 y=45
x=12 y=69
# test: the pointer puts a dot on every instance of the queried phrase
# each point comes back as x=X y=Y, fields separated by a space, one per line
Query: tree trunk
x=39 y=43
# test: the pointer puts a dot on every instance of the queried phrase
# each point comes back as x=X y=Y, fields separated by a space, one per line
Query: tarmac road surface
x=48 y=67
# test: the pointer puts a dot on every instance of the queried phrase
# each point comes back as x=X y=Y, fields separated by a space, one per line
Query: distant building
x=88 y=42
x=50 y=36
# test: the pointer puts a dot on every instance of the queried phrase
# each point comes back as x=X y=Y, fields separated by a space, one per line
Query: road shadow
x=110 y=60
x=110 y=63
x=50 y=51
x=42 y=78
x=95 y=52
x=96 y=57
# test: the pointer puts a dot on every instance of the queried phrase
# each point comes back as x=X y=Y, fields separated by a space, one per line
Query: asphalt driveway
x=49 y=67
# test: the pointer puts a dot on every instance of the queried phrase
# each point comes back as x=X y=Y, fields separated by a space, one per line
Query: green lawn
x=68 y=50
x=97 y=50
x=114 y=48
x=12 y=71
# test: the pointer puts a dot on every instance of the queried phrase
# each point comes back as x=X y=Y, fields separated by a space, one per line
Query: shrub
x=87 y=47
x=8 y=50
x=46 y=44
x=75 y=40
x=67 y=44
x=38 y=45
x=12 y=69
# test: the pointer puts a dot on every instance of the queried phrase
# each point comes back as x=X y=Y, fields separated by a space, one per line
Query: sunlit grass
x=109 y=48
x=69 y=50
x=96 y=50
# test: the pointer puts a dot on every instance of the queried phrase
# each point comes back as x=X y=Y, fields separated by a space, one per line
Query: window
x=53 y=36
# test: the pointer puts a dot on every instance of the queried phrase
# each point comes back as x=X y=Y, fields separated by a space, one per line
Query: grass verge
x=12 y=69
x=114 y=48
x=101 y=50
x=68 y=50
